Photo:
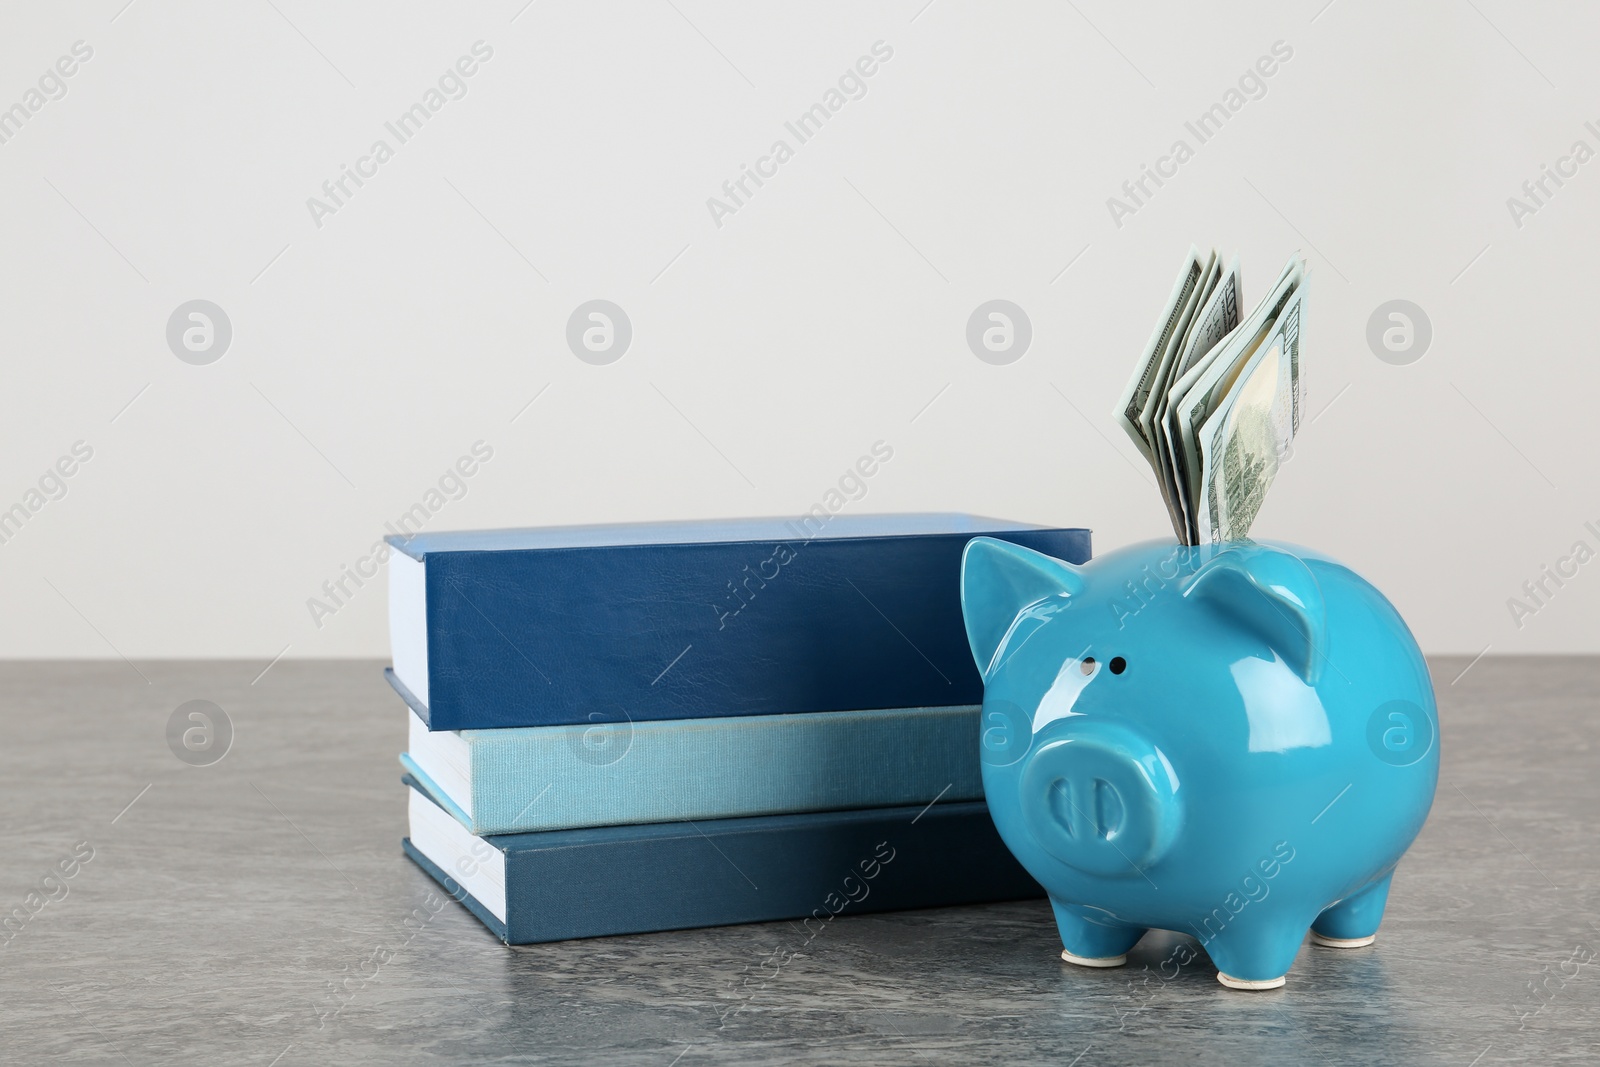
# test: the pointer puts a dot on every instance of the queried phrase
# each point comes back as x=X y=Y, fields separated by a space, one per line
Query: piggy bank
x=1235 y=741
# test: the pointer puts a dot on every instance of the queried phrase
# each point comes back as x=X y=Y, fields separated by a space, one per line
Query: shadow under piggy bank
x=1235 y=741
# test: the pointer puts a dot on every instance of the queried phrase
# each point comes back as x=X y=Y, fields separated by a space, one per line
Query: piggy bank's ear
x=1274 y=595
x=1000 y=579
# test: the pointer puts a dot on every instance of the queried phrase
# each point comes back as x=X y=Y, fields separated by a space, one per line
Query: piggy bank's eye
x=1086 y=665
x=1118 y=664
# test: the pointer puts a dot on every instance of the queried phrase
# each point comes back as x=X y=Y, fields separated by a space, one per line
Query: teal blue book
x=812 y=868
x=536 y=778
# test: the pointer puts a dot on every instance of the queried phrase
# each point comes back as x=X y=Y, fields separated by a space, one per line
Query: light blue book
x=618 y=773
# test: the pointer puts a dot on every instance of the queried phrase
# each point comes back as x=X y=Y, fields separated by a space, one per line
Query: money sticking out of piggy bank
x=1236 y=741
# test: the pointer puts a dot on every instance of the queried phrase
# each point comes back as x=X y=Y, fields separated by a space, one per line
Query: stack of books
x=622 y=729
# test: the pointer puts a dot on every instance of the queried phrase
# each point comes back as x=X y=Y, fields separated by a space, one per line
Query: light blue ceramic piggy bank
x=1233 y=741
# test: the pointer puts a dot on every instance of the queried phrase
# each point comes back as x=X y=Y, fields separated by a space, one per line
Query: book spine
x=654 y=632
x=549 y=778
x=813 y=869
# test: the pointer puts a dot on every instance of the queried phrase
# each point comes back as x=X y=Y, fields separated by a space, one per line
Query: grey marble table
x=254 y=911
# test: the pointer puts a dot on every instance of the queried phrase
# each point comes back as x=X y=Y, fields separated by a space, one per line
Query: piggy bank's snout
x=1101 y=798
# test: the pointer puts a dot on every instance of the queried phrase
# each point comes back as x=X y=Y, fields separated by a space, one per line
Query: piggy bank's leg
x=1353 y=922
x=1255 y=951
x=1088 y=941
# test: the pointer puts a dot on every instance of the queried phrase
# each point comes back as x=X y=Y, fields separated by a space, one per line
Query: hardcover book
x=635 y=623
x=563 y=884
x=559 y=777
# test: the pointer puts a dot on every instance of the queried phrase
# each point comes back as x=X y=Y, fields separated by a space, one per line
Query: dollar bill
x=1201 y=392
x=1140 y=386
x=1216 y=396
x=1160 y=459
x=1243 y=443
x=1218 y=316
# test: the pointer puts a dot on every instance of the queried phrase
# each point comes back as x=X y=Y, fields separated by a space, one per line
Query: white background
x=768 y=354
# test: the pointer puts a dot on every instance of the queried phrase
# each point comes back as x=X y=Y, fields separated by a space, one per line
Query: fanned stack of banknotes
x=1216 y=399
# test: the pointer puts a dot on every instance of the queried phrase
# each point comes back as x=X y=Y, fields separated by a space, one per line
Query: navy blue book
x=617 y=624
x=562 y=884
